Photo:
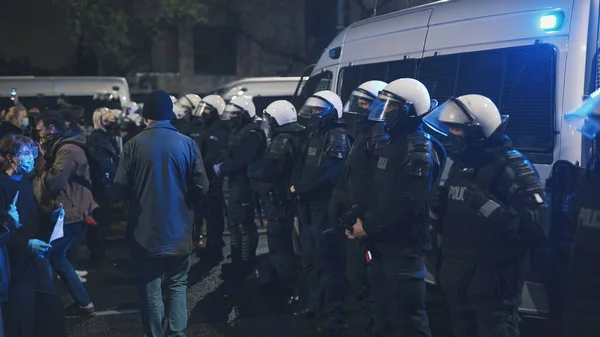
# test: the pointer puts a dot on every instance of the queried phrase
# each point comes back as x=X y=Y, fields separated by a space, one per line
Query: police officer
x=321 y=240
x=211 y=133
x=183 y=109
x=350 y=189
x=582 y=309
x=245 y=145
x=395 y=217
x=490 y=213
x=275 y=170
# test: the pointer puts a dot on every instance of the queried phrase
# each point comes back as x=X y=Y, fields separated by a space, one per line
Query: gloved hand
x=217 y=169
x=438 y=200
x=38 y=247
x=60 y=211
x=12 y=212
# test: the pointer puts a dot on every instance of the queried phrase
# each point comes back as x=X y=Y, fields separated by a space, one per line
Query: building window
x=165 y=54
x=215 y=51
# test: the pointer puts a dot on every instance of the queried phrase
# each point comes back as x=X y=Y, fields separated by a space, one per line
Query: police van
x=263 y=90
x=536 y=59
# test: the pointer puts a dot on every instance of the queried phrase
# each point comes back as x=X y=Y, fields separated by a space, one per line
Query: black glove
x=438 y=200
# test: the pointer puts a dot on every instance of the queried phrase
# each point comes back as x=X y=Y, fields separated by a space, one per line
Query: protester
x=66 y=180
x=35 y=306
x=162 y=173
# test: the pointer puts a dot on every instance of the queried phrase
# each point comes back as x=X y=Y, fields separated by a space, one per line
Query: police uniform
x=245 y=145
x=212 y=140
x=398 y=234
x=327 y=147
x=492 y=214
x=274 y=172
x=351 y=190
x=583 y=293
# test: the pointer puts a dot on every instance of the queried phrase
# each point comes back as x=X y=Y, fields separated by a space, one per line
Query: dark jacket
x=162 y=173
x=66 y=179
x=103 y=159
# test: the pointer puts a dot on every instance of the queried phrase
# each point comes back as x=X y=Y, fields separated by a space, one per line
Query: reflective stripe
x=434 y=216
x=488 y=208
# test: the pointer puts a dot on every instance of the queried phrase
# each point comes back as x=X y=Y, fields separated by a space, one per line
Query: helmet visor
x=451 y=114
x=180 y=111
x=385 y=107
x=231 y=111
x=586 y=117
x=203 y=109
x=316 y=107
x=360 y=103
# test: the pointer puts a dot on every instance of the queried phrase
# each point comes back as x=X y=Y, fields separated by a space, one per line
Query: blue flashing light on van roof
x=552 y=22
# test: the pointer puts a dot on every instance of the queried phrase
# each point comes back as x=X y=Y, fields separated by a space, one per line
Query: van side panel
x=389 y=38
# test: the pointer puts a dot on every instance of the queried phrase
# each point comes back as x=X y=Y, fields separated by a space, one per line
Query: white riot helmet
x=185 y=105
x=130 y=108
x=242 y=106
x=210 y=105
x=282 y=113
x=586 y=117
x=323 y=104
x=401 y=100
x=362 y=98
x=173 y=99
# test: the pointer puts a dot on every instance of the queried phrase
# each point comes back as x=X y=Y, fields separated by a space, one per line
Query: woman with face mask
x=103 y=157
x=34 y=305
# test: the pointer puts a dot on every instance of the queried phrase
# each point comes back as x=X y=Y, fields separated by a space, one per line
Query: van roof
x=261 y=86
x=69 y=85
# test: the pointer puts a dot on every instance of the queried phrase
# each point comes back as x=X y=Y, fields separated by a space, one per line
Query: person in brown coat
x=65 y=181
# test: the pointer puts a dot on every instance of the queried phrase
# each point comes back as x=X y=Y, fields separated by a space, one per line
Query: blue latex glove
x=38 y=247
x=12 y=212
x=217 y=169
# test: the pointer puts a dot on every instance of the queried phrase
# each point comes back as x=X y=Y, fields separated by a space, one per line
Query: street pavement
x=216 y=308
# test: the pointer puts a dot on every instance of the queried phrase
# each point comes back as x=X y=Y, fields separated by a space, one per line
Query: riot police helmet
x=467 y=120
x=400 y=101
x=185 y=105
x=211 y=106
x=362 y=99
x=586 y=117
x=282 y=114
x=325 y=105
x=239 y=107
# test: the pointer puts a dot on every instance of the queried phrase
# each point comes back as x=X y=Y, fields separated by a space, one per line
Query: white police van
x=536 y=59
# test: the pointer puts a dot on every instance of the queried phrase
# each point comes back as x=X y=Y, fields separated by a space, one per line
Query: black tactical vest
x=314 y=153
x=468 y=235
x=584 y=289
x=237 y=135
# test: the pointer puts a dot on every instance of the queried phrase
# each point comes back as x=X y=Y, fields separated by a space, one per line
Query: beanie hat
x=158 y=106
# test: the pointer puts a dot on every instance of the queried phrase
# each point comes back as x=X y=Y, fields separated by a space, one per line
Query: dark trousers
x=212 y=211
x=240 y=217
x=35 y=306
x=473 y=298
x=399 y=303
x=150 y=272
x=280 y=214
x=96 y=236
x=322 y=261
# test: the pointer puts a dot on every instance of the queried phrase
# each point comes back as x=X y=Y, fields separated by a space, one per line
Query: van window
x=353 y=76
x=520 y=80
x=315 y=83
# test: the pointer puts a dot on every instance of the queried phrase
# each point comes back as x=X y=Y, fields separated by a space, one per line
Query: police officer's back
x=490 y=214
x=394 y=221
x=583 y=292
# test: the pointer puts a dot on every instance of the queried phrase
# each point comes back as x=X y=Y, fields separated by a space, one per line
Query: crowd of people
x=369 y=206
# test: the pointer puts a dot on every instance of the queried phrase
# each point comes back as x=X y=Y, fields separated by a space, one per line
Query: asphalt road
x=215 y=308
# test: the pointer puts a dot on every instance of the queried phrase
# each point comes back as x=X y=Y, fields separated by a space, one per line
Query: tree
x=110 y=30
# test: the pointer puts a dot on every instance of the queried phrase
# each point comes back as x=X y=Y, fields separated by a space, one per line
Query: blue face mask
x=26 y=165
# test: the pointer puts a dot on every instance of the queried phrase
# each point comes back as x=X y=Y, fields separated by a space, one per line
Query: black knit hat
x=158 y=106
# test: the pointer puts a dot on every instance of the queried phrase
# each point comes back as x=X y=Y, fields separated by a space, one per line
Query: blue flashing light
x=552 y=22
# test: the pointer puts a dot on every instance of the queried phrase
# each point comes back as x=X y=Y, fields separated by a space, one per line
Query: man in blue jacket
x=162 y=172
